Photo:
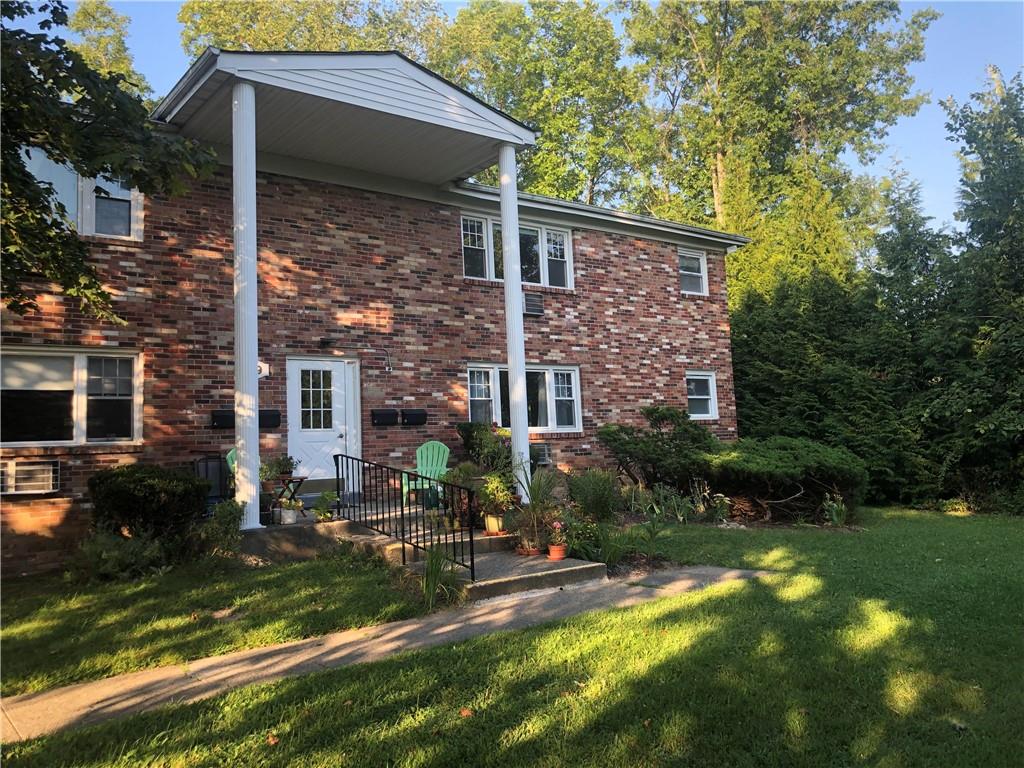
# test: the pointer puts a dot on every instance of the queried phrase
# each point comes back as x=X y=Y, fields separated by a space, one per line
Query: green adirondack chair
x=431 y=462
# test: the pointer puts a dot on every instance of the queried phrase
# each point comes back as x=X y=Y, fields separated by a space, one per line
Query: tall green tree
x=413 y=27
x=738 y=89
x=102 y=33
x=101 y=130
x=557 y=66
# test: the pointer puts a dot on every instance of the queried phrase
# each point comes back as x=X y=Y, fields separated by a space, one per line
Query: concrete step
x=505 y=573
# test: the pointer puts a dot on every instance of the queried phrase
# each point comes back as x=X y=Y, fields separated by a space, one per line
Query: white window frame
x=694 y=254
x=549 y=370
x=87 y=212
x=80 y=397
x=85 y=221
x=713 y=392
x=490 y=222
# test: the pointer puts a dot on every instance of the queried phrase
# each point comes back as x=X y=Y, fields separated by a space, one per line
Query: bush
x=598 y=494
x=786 y=476
x=221 y=533
x=779 y=477
x=106 y=556
x=671 y=450
x=149 y=502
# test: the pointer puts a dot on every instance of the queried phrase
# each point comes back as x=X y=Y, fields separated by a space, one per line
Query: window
x=69 y=398
x=552 y=398
x=481 y=402
x=98 y=206
x=701 y=395
x=545 y=255
x=693 y=271
x=316 y=405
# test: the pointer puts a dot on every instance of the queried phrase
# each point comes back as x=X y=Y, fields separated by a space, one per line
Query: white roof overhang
x=377 y=112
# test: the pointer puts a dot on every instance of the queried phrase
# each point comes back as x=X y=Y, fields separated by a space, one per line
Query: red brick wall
x=350 y=273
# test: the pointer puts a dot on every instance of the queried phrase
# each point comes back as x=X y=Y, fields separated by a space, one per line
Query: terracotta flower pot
x=528 y=552
x=556 y=551
x=267 y=486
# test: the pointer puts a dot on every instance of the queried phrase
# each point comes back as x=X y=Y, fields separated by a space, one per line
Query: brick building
x=378 y=290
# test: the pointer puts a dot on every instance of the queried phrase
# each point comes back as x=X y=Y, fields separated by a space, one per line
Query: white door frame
x=353 y=441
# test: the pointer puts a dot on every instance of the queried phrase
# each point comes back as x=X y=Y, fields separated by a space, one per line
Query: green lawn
x=55 y=633
x=899 y=645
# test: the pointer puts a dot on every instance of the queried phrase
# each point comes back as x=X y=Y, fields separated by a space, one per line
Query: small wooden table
x=289 y=487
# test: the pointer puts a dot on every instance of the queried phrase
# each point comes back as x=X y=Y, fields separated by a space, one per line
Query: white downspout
x=247 y=433
x=509 y=198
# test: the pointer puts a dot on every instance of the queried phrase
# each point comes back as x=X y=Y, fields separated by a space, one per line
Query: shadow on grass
x=873 y=650
x=56 y=633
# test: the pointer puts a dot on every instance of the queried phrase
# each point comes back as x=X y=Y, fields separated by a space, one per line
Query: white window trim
x=713 y=387
x=79 y=400
x=695 y=254
x=550 y=370
x=87 y=212
x=490 y=222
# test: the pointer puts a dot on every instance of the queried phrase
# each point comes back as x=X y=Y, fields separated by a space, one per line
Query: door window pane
x=529 y=255
x=315 y=410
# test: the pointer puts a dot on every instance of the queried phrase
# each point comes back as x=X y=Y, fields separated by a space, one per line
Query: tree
x=413 y=27
x=102 y=33
x=556 y=66
x=102 y=130
x=749 y=85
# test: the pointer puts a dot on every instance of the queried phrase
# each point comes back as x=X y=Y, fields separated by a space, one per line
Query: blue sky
x=960 y=45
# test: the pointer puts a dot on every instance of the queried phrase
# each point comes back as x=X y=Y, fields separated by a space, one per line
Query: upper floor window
x=99 y=206
x=552 y=397
x=693 y=271
x=701 y=395
x=545 y=254
x=69 y=397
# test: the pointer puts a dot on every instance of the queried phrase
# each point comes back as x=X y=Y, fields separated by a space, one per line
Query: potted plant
x=286 y=466
x=290 y=509
x=495 y=499
x=268 y=475
x=529 y=520
x=556 y=538
x=456 y=501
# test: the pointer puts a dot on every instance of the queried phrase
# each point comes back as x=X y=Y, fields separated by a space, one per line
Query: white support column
x=514 y=316
x=247 y=432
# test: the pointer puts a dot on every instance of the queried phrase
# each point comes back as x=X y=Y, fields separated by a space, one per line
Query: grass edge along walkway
x=36 y=714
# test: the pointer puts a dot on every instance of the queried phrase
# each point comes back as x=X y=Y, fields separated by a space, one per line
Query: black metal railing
x=421 y=512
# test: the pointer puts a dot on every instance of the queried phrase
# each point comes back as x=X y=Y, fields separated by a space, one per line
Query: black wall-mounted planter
x=270 y=418
x=383 y=417
x=413 y=417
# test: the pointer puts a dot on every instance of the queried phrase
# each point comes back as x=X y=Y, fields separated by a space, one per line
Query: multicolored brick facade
x=366 y=276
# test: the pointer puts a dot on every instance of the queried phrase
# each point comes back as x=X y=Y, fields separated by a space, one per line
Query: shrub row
x=778 y=477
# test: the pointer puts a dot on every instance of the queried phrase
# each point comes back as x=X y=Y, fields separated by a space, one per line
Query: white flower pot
x=289 y=516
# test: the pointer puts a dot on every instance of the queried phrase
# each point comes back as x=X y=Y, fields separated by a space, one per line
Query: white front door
x=323 y=414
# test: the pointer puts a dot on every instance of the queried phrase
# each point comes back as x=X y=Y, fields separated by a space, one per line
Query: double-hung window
x=69 y=397
x=701 y=395
x=545 y=253
x=552 y=397
x=99 y=206
x=693 y=271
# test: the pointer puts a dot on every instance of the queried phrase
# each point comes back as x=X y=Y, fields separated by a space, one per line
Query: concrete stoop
x=499 y=571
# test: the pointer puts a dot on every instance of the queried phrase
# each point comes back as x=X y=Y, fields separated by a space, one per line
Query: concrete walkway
x=35 y=714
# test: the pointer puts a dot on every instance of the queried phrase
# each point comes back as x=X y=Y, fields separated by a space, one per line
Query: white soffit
x=378 y=112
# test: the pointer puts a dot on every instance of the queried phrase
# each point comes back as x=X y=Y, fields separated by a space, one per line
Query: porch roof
x=371 y=111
